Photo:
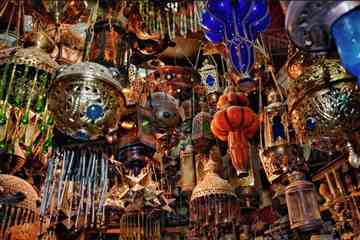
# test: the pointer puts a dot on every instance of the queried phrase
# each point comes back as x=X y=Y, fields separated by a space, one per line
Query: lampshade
x=213 y=204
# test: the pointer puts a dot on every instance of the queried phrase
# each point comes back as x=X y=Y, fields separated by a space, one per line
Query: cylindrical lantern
x=19 y=211
x=25 y=121
x=302 y=204
x=140 y=225
x=201 y=131
x=187 y=168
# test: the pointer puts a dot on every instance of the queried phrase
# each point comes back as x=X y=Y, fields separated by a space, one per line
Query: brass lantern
x=87 y=101
x=323 y=104
x=201 y=131
x=26 y=73
x=302 y=203
x=209 y=77
x=276 y=137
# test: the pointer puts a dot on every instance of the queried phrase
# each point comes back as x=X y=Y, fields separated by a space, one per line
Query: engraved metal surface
x=86 y=100
x=324 y=104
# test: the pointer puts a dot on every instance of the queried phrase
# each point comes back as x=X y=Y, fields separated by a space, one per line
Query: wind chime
x=142 y=201
x=172 y=18
x=19 y=211
x=75 y=187
x=213 y=206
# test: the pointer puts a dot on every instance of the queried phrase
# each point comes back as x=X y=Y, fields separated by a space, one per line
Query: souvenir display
x=170 y=119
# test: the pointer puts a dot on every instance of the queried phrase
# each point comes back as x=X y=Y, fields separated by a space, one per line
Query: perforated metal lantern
x=86 y=100
x=201 y=131
x=164 y=111
x=323 y=104
x=19 y=211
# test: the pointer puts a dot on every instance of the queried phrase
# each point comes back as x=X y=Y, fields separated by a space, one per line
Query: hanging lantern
x=109 y=46
x=313 y=26
x=235 y=124
x=87 y=101
x=76 y=181
x=323 y=104
x=302 y=203
x=164 y=111
x=238 y=24
x=19 y=211
x=209 y=77
x=187 y=168
x=140 y=225
x=276 y=135
x=201 y=130
x=135 y=156
x=25 y=121
x=213 y=205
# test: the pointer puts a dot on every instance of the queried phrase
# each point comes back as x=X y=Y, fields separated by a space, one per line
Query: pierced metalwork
x=87 y=101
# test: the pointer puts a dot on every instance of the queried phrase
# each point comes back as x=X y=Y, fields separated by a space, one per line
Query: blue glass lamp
x=346 y=32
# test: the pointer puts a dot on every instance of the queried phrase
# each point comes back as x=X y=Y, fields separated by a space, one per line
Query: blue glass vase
x=346 y=32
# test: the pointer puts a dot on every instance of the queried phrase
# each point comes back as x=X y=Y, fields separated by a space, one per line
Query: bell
x=302 y=204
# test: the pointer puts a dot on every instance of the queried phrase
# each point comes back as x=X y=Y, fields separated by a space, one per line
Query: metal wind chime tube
x=77 y=180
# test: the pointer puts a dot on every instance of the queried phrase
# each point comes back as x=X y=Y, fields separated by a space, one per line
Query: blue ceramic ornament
x=237 y=23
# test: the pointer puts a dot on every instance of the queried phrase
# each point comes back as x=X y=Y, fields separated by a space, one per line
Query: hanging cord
x=261 y=110
x=91 y=24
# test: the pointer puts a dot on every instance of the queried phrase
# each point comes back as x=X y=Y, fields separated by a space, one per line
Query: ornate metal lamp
x=324 y=104
x=276 y=137
x=87 y=101
x=312 y=26
x=213 y=205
